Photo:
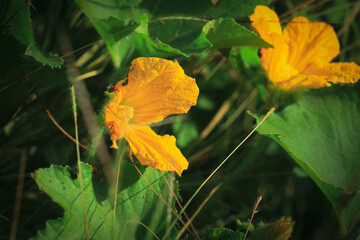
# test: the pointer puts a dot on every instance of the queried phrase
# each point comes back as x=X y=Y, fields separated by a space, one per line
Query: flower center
x=125 y=113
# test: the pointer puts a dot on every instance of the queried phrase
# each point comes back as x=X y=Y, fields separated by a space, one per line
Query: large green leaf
x=137 y=204
x=201 y=8
x=175 y=34
x=124 y=9
x=183 y=34
x=114 y=19
x=225 y=32
x=113 y=31
x=172 y=37
x=120 y=9
x=321 y=132
x=16 y=29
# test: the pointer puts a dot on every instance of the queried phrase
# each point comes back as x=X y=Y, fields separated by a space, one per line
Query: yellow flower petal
x=265 y=21
x=310 y=42
x=159 y=152
x=302 y=52
x=158 y=88
x=117 y=118
x=338 y=72
x=303 y=81
x=273 y=60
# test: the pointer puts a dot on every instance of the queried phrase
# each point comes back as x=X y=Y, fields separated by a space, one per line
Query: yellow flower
x=156 y=89
x=302 y=52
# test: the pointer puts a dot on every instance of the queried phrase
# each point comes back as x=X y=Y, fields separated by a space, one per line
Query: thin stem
x=181 y=207
x=222 y=163
x=19 y=189
x=86 y=223
x=122 y=149
x=252 y=215
x=158 y=194
x=197 y=212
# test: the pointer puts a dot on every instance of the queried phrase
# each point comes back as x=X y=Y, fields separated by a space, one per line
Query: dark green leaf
x=321 y=133
x=17 y=27
x=225 y=32
x=152 y=46
x=113 y=31
x=120 y=9
x=183 y=34
x=201 y=8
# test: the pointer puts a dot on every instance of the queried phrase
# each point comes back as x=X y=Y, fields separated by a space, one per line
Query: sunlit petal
x=159 y=152
x=303 y=81
x=310 y=42
x=158 y=88
x=265 y=21
x=338 y=72
x=302 y=52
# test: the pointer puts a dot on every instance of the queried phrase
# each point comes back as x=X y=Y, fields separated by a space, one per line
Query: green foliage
x=321 y=133
x=279 y=230
x=113 y=30
x=184 y=34
x=135 y=203
x=223 y=234
x=185 y=132
x=225 y=33
x=167 y=36
x=17 y=34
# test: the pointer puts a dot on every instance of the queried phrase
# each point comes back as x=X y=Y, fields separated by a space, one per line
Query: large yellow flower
x=302 y=52
x=156 y=89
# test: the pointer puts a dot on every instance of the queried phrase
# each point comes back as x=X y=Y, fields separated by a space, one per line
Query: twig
x=83 y=97
x=197 y=212
x=181 y=207
x=86 y=223
x=19 y=189
x=252 y=215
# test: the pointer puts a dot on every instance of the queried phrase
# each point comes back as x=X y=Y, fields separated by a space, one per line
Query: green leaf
x=17 y=27
x=201 y=8
x=279 y=230
x=114 y=20
x=185 y=132
x=250 y=56
x=137 y=204
x=225 y=32
x=120 y=9
x=180 y=33
x=321 y=133
x=124 y=9
x=222 y=234
x=113 y=31
x=170 y=38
